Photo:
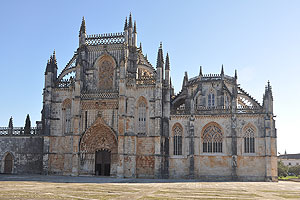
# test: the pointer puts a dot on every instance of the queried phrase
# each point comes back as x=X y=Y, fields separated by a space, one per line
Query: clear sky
x=261 y=39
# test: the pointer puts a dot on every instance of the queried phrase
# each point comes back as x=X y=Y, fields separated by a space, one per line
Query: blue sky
x=261 y=39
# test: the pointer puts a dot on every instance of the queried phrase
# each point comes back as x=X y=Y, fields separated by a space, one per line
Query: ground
x=64 y=187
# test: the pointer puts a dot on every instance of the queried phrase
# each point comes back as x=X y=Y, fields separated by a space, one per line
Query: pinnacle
x=130 y=21
x=134 y=27
x=126 y=24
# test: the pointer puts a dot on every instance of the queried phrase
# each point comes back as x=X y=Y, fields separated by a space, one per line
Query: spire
x=10 y=123
x=200 y=73
x=125 y=25
x=222 y=70
x=54 y=57
x=134 y=27
x=167 y=65
x=185 y=79
x=130 y=21
x=82 y=27
x=235 y=74
x=141 y=46
x=160 y=58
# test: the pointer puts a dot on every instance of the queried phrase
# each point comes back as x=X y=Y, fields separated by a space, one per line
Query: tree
x=295 y=170
x=282 y=169
x=27 y=125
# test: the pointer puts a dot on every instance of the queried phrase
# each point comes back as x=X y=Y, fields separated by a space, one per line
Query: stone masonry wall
x=27 y=152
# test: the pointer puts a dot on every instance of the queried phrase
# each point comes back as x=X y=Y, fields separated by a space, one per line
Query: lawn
x=44 y=188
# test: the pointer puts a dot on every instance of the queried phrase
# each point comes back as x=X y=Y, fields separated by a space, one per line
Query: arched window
x=142 y=118
x=177 y=133
x=66 y=112
x=212 y=139
x=249 y=140
x=211 y=100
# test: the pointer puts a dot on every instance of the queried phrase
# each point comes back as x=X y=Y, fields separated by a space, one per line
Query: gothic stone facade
x=110 y=112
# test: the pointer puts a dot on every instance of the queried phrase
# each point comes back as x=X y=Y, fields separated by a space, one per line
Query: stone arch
x=98 y=137
x=8 y=163
x=249 y=134
x=105 y=66
x=212 y=138
x=141 y=113
x=177 y=135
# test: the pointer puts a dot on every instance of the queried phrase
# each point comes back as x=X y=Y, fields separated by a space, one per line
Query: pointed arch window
x=212 y=139
x=211 y=100
x=249 y=140
x=177 y=139
x=142 y=118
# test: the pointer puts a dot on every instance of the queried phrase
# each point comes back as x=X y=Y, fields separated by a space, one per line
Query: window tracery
x=211 y=100
x=212 y=139
x=249 y=140
x=142 y=118
x=177 y=139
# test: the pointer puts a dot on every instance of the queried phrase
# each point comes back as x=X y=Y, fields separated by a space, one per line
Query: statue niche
x=106 y=67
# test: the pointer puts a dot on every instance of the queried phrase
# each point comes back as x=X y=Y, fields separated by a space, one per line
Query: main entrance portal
x=102 y=163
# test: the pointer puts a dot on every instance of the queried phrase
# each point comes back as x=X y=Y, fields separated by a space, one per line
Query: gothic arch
x=98 y=137
x=249 y=134
x=105 y=66
x=141 y=113
x=212 y=138
x=8 y=163
x=177 y=135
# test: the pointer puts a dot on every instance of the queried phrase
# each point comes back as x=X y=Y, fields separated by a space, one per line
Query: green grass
x=287 y=177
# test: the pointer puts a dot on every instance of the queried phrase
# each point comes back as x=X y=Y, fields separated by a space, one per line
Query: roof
x=290 y=156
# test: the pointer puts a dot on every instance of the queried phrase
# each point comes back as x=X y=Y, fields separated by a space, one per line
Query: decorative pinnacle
x=167 y=66
x=160 y=58
x=140 y=46
x=235 y=74
x=185 y=79
x=134 y=27
x=82 y=27
x=200 y=73
x=130 y=21
x=125 y=25
x=222 y=70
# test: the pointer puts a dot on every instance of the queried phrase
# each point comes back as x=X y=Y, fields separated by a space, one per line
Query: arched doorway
x=8 y=163
x=99 y=150
x=102 y=162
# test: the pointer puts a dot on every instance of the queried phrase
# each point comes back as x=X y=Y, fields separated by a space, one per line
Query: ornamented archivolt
x=99 y=136
x=106 y=73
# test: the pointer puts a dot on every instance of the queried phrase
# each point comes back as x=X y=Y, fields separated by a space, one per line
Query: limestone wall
x=27 y=153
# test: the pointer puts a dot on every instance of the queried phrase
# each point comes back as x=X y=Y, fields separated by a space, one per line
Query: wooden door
x=8 y=163
x=102 y=163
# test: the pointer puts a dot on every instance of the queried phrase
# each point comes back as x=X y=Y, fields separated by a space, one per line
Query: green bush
x=282 y=169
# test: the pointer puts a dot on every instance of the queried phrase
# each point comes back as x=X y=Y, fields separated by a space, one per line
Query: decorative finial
x=134 y=27
x=222 y=70
x=82 y=27
x=160 y=58
x=235 y=74
x=130 y=21
x=141 y=46
x=125 y=25
x=200 y=73
x=167 y=65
